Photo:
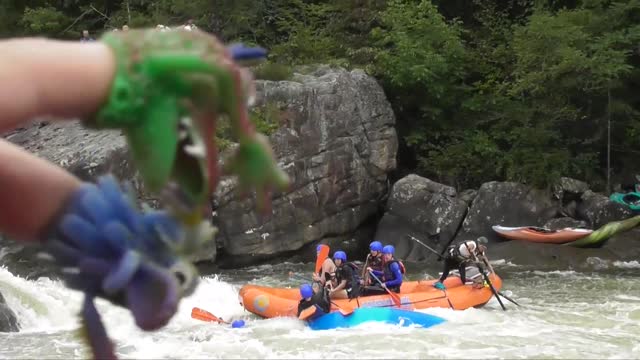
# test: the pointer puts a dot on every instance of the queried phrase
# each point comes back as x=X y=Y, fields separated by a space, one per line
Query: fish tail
x=95 y=332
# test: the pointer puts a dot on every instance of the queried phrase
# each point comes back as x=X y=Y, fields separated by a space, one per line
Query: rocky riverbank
x=337 y=142
x=439 y=215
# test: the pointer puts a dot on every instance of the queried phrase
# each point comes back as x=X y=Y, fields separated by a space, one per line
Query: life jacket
x=353 y=284
x=453 y=252
x=388 y=274
x=376 y=262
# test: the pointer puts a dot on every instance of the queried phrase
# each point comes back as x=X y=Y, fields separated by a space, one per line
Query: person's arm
x=300 y=307
x=328 y=267
x=397 y=274
x=342 y=285
x=40 y=77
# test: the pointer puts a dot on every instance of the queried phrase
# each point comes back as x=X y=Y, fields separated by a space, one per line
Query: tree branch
x=76 y=20
x=98 y=11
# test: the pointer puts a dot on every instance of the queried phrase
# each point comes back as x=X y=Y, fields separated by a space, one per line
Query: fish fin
x=152 y=297
x=95 y=332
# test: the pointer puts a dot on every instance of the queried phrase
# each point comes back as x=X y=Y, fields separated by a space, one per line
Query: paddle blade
x=204 y=315
x=346 y=312
x=307 y=313
x=322 y=256
x=395 y=298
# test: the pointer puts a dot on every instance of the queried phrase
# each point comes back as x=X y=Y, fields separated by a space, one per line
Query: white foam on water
x=563 y=317
x=627 y=264
x=40 y=306
x=502 y=262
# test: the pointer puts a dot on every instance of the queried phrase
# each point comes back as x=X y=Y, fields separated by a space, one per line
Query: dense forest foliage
x=521 y=90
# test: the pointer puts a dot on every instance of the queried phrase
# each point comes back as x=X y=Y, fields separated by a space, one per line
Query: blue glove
x=438 y=285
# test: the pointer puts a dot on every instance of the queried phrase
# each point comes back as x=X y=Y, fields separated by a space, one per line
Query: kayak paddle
x=394 y=296
x=204 y=315
x=322 y=256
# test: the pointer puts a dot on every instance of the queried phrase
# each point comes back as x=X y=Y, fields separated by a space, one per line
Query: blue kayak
x=377 y=314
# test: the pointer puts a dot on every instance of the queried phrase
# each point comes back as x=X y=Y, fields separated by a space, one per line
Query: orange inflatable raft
x=269 y=302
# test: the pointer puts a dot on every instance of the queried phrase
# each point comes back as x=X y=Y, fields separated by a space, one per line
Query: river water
x=563 y=314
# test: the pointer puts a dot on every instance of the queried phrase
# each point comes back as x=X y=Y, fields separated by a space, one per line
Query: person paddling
x=460 y=256
x=391 y=275
x=346 y=279
x=374 y=261
x=315 y=295
x=328 y=268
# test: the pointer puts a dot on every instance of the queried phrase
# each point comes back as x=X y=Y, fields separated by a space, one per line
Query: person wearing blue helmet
x=347 y=284
x=314 y=295
x=374 y=261
x=328 y=268
x=390 y=276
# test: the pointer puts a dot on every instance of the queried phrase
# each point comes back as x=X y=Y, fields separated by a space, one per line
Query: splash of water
x=564 y=314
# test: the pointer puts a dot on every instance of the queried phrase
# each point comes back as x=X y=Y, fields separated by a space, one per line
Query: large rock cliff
x=336 y=141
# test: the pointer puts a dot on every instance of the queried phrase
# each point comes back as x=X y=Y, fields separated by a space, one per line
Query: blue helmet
x=389 y=249
x=340 y=255
x=306 y=291
x=237 y=324
x=318 y=248
x=375 y=246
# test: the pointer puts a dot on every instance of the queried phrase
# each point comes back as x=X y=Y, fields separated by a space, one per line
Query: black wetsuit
x=348 y=273
x=320 y=298
x=453 y=259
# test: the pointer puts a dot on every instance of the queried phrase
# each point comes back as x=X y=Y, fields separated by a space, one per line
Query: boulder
x=424 y=209
x=507 y=204
x=566 y=189
x=8 y=320
x=624 y=247
x=337 y=143
x=564 y=222
x=468 y=195
x=598 y=210
x=87 y=154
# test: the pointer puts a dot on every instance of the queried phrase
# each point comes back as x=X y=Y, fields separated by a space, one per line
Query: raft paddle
x=343 y=311
x=440 y=257
x=204 y=315
x=394 y=296
x=486 y=278
x=364 y=270
x=307 y=313
x=322 y=256
x=508 y=298
x=486 y=261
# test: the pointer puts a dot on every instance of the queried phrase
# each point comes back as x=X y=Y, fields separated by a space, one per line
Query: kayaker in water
x=390 y=276
x=328 y=268
x=346 y=281
x=460 y=256
x=374 y=261
x=314 y=295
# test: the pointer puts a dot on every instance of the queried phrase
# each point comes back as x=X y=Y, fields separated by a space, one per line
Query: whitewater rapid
x=564 y=314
